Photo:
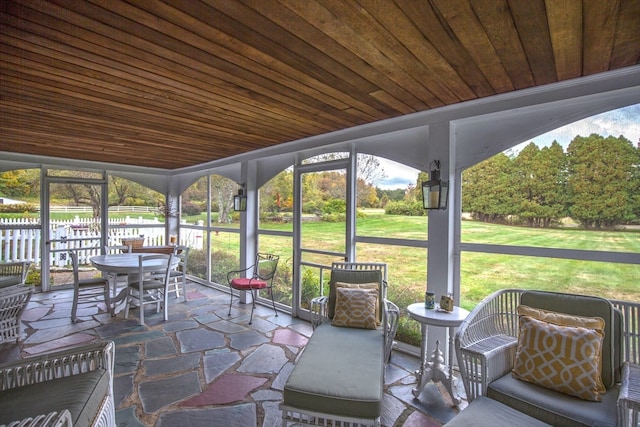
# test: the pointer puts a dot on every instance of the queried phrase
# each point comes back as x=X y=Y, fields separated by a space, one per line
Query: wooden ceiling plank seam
x=196 y=23
x=627 y=40
x=495 y=17
x=399 y=25
x=319 y=17
x=302 y=41
x=361 y=21
x=600 y=20
x=105 y=71
x=565 y=27
x=195 y=51
x=531 y=22
x=296 y=107
x=344 y=30
x=46 y=73
x=427 y=20
x=279 y=42
x=468 y=29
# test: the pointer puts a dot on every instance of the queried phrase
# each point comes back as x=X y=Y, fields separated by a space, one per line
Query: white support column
x=249 y=222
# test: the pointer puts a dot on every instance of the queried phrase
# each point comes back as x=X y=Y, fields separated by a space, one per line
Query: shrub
x=414 y=208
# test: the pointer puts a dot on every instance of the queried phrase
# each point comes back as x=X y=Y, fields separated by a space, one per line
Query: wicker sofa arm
x=486 y=341
x=77 y=360
x=52 y=419
x=319 y=310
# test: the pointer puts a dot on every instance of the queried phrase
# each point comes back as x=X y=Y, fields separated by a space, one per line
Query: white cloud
x=397 y=175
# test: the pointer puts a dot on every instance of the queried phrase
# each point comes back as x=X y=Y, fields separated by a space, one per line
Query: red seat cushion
x=244 y=283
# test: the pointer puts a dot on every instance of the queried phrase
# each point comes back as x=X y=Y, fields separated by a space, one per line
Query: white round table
x=434 y=369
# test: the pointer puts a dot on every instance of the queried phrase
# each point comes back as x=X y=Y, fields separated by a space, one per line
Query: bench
x=339 y=377
x=74 y=384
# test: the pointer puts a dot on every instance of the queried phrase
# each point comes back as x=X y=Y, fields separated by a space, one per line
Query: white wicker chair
x=13 y=302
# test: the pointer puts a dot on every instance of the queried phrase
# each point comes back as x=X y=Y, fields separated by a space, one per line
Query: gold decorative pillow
x=355 y=308
x=561 y=319
x=375 y=286
x=566 y=359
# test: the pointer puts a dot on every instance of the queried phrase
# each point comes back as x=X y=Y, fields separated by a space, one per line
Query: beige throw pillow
x=355 y=308
x=566 y=359
x=375 y=286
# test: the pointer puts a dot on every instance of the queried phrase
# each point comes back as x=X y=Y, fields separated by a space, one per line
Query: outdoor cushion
x=552 y=407
x=375 y=286
x=485 y=412
x=340 y=372
x=353 y=276
x=586 y=306
x=81 y=394
x=248 y=283
x=561 y=358
x=356 y=308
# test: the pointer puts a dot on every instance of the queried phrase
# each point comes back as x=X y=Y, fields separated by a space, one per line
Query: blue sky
x=625 y=121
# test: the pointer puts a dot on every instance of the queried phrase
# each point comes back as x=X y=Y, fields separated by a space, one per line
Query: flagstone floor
x=202 y=368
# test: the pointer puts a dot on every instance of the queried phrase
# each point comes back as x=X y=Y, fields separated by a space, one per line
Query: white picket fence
x=20 y=239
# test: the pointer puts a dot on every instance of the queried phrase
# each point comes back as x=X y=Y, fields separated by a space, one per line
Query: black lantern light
x=240 y=201
x=435 y=192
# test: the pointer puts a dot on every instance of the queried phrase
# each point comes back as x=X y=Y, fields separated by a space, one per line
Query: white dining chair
x=115 y=278
x=151 y=284
x=179 y=274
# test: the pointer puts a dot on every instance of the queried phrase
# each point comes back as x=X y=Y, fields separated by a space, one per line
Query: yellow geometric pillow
x=355 y=308
x=375 y=286
x=561 y=319
x=562 y=358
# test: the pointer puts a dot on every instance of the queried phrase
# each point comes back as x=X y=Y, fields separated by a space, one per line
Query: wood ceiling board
x=600 y=19
x=627 y=39
x=566 y=27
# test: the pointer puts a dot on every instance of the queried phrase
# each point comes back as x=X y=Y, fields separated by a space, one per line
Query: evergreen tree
x=488 y=190
x=600 y=184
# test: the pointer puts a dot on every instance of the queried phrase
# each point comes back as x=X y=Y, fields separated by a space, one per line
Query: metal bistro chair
x=152 y=284
x=179 y=274
x=262 y=274
x=86 y=290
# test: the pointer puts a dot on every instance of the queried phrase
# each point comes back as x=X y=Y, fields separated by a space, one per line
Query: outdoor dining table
x=127 y=263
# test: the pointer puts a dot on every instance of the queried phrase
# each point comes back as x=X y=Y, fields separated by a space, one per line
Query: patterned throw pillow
x=562 y=358
x=355 y=308
x=375 y=286
x=561 y=319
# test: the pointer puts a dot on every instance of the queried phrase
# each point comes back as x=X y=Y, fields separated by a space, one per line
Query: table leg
x=422 y=371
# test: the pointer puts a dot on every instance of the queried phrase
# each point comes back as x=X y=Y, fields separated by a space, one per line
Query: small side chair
x=152 y=284
x=260 y=276
x=179 y=275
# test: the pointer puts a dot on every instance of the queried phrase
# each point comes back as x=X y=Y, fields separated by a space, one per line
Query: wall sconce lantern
x=240 y=201
x=435 y=192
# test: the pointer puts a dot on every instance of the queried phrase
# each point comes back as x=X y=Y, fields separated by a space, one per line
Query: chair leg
x=74 y=307
x=273 y=303
x=254 y=294
x=230 y=300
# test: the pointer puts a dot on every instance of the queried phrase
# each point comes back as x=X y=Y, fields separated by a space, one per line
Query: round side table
x=435 y=369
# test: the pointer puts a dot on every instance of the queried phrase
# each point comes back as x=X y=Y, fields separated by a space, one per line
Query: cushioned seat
x=332 y=379
x=81 y=394
x=555 y=408
x=484 y=412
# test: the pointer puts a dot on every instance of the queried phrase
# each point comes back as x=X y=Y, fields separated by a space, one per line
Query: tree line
x=596 y=183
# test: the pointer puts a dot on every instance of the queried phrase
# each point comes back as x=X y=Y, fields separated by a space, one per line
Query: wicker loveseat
x=488 y=348
x=13 y=273
x=69 y=387
x=339 y=377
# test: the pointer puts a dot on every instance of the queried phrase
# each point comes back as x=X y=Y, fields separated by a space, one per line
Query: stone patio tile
x=243 y=415
x=60 y=343
x=289 y=337
x=302 y=327
x=262 y=395
x=206 y=318
x=49 y=324
x=180 y=326
x=392 y=409
x=154 y=367
x=282 y=377
x=199 y=339
x=394 y=373
x=118 y=327
x=155 y=394
x=137 y=338
x=215 y=363
x=267 y=359
x=160 y=347
x=127 y=359
x=247 y=339
x=418 y=419
x=227 y=389
x=272 y=414
x=127 y=418
x=430 y=401
x=33 y=314
x=122 y=388
x=262 y=325
x=227 y=327
x=43 y=336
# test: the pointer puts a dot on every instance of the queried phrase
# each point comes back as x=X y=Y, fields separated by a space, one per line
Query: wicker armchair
x=13 y=301
x=487 y=340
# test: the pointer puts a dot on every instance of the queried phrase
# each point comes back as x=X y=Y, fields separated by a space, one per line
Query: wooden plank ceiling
x=175 y=83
